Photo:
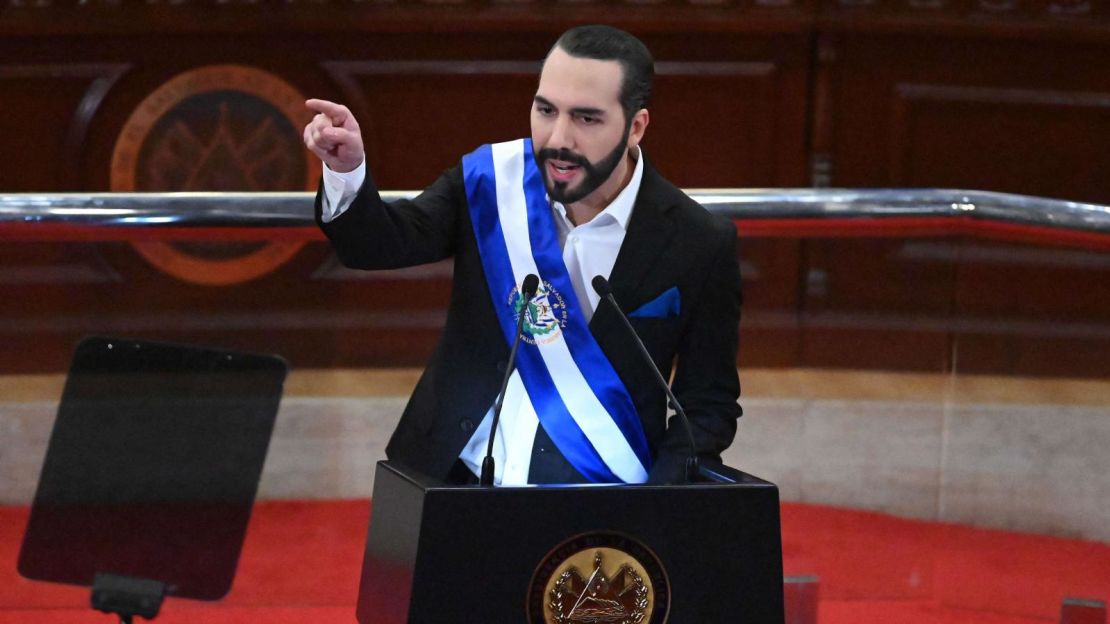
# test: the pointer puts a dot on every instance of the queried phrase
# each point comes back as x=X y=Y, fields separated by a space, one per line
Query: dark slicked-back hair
x=606 y=43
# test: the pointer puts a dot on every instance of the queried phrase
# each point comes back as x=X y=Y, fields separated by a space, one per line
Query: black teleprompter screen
x=153 y=465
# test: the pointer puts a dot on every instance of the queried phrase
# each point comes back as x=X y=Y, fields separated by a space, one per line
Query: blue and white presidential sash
x=576 y=393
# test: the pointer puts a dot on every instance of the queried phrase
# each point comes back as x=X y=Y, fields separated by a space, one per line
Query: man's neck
x=583 y=211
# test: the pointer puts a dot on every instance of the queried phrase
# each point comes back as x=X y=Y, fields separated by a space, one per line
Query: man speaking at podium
x=577 y=200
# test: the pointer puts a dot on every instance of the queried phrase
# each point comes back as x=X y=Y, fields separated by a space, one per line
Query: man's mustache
x=564 y=155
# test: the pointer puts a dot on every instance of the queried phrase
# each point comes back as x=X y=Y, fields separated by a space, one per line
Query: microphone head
x=528 y=288
x=601 y=286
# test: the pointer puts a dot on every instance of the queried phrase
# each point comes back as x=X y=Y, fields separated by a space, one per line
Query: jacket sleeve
x=374 y=234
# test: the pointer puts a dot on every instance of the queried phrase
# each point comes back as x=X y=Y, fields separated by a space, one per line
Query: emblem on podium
x=599 y=578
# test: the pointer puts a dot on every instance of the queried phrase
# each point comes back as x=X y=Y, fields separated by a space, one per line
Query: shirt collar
x=620 y=209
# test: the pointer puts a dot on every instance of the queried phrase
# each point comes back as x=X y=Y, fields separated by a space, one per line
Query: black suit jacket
x=671 y=241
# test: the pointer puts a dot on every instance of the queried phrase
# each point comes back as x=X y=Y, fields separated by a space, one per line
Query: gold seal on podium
x=599 y=578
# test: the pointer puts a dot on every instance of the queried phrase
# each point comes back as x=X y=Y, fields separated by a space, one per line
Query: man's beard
x=595 y=173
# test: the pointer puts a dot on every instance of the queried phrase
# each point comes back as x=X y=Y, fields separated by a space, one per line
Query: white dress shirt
x=589 y=249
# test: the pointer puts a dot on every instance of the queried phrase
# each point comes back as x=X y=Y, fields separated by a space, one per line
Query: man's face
x=579 y=133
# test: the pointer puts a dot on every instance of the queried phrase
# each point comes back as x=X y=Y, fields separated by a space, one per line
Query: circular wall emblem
x=599 y=578
x=216 y=128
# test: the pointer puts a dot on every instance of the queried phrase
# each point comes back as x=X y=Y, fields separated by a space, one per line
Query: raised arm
x=366 y=232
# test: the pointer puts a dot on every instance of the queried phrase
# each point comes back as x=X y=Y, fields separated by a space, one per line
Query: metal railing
x=154 y=210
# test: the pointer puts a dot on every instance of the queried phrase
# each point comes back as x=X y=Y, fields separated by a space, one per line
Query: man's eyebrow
x=581 y=110
x=587 y=112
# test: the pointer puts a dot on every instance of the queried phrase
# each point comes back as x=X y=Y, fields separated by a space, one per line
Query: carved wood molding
x=1034 y=8
x=909 y=95
x=80 y=263
x=979 y=8
x=261 y=5
x=715 y=68
x=355 y=80
x=45 y=18
x=912 y=92
x=346 y=75
x=1004 y=17
x=1070 y=21
x=101 y=78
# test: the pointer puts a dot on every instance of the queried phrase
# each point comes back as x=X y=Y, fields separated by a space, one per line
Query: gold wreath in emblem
x=599 y=599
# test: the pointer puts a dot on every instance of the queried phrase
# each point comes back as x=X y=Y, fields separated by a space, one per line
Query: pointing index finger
x=336 y=112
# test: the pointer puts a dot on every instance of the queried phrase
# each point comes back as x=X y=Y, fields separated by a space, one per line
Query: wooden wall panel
x=930 y=106
x=729 y=110
x=992 y=94
x=770 y=319
x=57 y=293
x=420 y=117
x=1027 y=310
x=1042 y=142
x=875 y=304
x=737 y=136
x=736 y=120
x=1001 y=115
x=48 y=108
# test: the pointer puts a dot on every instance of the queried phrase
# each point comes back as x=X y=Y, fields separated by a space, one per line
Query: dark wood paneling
x=742 y=145
x=54 y=294
x=1005 y=95
x=998 y=115
x=714 y=123
x=1034 y=354
x=770 y=321
x=419 y=117
x=48 y=108
x=1032 y=310
x=431 y=17
x=730 y=111
x=875 y=304
x=1002 y=112
x=1030 y=141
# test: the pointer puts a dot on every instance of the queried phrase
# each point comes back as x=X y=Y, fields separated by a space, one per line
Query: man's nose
x=562 y=135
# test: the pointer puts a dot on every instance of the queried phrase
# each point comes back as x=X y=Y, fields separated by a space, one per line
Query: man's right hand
x=333 y=135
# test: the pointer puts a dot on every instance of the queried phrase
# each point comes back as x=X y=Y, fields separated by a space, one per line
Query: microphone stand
x=601 y=285
x=527 y=291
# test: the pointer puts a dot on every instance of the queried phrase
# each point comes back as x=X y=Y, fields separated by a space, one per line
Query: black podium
x=702 y=553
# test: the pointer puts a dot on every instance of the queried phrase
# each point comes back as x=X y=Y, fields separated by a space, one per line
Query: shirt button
x=466 y=425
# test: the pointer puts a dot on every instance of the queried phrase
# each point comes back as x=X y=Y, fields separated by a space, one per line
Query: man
x=578 y=201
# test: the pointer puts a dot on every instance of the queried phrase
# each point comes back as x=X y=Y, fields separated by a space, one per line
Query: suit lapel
x=649 y=232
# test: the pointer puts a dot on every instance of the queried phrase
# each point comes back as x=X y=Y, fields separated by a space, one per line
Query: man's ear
x=639 y=126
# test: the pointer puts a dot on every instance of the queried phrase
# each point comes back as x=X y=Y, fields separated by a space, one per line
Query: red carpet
x=301 y=563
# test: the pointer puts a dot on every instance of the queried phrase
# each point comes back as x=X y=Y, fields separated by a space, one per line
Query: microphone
x=602 y=287
x=527 y=291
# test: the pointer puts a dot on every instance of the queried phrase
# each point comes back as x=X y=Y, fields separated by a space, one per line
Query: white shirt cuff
x=340 y=190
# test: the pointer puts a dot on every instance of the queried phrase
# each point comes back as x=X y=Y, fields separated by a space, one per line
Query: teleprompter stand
x=127 y=597
x=151 y=472
x=703 y=553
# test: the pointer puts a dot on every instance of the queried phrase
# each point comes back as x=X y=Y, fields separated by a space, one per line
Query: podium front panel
x=480 y=553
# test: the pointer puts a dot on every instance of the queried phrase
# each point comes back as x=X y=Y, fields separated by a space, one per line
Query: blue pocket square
x=666 y=305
